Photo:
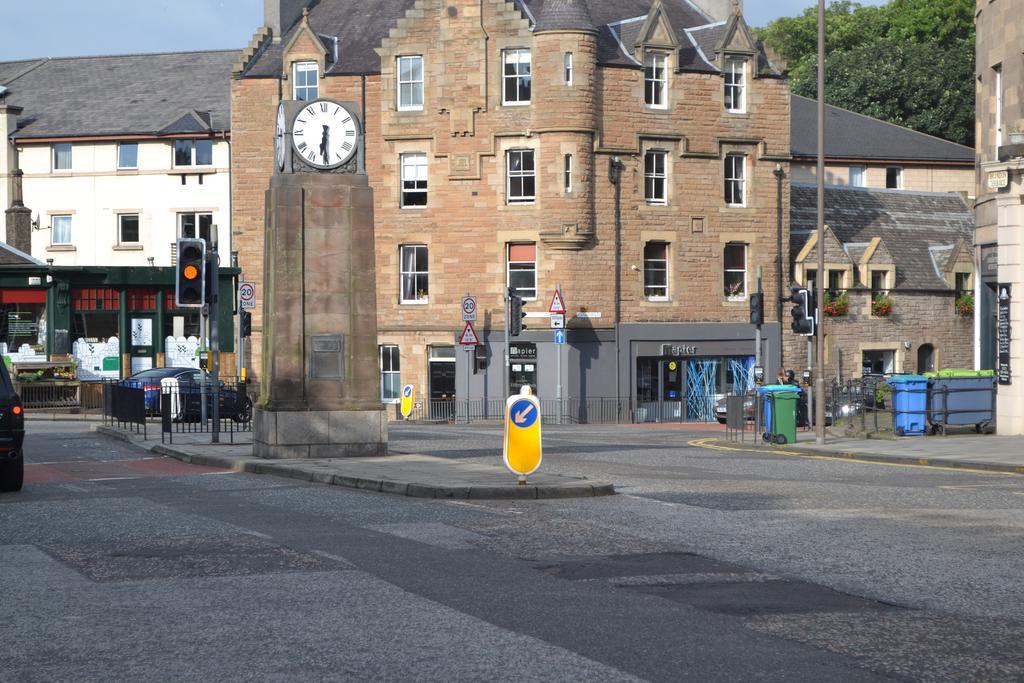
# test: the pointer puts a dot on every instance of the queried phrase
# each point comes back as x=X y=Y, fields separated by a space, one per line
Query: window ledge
x=127 y=171
x=656 y=300
x=414 y=207
x=736 y=299
x=409 y=110
x=128 y=247
x=516 y=104
x=62 y=247
x=414 y=302
x=192 y=170
x=738 y=114
x=532 y=202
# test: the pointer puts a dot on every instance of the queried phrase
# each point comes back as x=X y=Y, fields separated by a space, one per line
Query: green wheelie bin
x=780 y=412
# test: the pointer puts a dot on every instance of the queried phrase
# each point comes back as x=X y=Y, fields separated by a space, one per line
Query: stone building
x=897 y=264
x=1000 y=204
x=861 y=151
x=626 y=152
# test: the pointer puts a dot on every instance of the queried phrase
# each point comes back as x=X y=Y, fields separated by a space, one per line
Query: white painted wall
x=94 y=192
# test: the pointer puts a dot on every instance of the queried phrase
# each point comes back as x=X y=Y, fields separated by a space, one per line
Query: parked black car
x=184 y=387
x=12 y=434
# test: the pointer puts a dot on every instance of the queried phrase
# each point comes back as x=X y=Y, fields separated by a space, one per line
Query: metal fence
x=125 y=407
x=596 y=410
x=177 y=409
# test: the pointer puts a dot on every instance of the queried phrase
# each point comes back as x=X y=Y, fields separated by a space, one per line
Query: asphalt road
x=709 y=566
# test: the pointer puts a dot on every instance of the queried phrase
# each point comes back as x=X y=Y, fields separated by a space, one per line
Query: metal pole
x=779 y=173
x=204 y=335
x=812 y=411
x=819 y=361
x=214 y=333
x=558 y=366
x=505 y=367
x=757 y=328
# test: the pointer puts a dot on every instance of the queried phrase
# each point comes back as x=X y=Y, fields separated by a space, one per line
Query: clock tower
x=320 y=391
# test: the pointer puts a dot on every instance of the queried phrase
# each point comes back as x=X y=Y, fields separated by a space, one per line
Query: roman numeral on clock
x=302 y=146
x=346 y=146
x=350 y=133
x=323 y=107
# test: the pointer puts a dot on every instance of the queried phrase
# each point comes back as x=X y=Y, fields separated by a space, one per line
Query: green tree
x=909 y=62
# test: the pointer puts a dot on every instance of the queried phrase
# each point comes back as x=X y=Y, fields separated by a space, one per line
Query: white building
x=121 y=155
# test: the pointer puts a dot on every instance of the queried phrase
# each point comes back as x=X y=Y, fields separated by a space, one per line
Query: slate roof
x=564 y=14
x=360 y=26
x=121 y=94
x=911 y=225
x=849 y=135
x=9 y=256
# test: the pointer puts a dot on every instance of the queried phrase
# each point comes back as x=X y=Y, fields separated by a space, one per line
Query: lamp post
x=819 y=360
x=779 y=174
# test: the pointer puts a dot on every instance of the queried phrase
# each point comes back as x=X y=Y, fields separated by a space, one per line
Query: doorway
x=141 y=346
x=659 y=389
x=925 y=358
x=441 y=376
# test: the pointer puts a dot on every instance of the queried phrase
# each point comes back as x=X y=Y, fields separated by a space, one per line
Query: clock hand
x=324 y=145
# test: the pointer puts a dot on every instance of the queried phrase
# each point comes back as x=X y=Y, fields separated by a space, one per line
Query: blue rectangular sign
x=559 y=336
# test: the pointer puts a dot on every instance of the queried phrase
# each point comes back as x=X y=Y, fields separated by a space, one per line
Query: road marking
x=847 y=457
x=111 y=478
x=510 y=511
x=651 y=500
x=329 y=556
x=257 y=534
x=207 y=474
x=970 y=486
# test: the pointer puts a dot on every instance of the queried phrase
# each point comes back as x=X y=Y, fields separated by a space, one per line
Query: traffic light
x=245 y=323
x=757 y=308
x=190 y=289
x=803 y=312
x=515 y=314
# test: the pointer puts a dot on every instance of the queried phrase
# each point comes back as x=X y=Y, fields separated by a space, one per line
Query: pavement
x=987 y=452
x=408 y=474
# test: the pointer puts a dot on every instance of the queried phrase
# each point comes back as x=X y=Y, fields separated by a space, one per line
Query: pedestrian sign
x=522 y=444
x=468 y=336
x=557 y=302
x=559 y=336
x=408 y=397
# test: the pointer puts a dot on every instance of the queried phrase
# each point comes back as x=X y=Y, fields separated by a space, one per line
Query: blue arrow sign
x=523 y=414
x=559 y=336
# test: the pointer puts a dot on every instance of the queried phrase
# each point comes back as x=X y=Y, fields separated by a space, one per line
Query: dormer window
x=306 y=80
x=656 y=81
x=735 y=85
x=410 y=83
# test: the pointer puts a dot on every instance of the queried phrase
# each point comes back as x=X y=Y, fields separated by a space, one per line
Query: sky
x=61 y=28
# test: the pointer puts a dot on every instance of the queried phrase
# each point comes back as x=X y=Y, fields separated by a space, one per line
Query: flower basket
x=836 y=305
x=881 y=306
x=964 y=305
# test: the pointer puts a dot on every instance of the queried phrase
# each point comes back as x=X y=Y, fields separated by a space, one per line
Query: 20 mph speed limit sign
x=246 y=295
x=469 y=308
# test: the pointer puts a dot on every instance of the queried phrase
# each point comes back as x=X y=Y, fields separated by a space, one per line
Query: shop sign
x=997 y=180
x=522 y=351
x=678 y=350
x=22 y=324
x=1003 y=329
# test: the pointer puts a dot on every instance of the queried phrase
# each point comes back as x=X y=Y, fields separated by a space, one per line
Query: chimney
x=18 y=218
x=719 y=10
x=280 y=15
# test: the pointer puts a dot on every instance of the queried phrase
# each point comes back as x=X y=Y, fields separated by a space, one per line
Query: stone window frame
x=516 y=77
x=393 y=369
x=653 y=85
x=997 y=104
x=303 y=66
x=415 y=272
x=412 y=82
x=745 y=270
x=665 y=270
x=738 y=86
x=522 y=266
x=54 y=216
x=732 y=180
x=894 y=347
x=120 y=228
x=120 y=146
x=889 y=276
x=567 y=69
x=523 y=174
x=567 y=169
x=652 y=176
x=56 y=156
x=197 y=214
x=414 y=188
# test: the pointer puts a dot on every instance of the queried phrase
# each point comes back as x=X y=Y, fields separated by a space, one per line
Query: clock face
x=324 y=134
x=279 y=143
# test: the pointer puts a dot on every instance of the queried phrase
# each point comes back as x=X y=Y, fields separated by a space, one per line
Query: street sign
x=246 y=295
x=408 y=400
x=522 y=444
x=468 y=336
x=559 y=336
x=557 y=321
x=469 y=308
x=557 y=302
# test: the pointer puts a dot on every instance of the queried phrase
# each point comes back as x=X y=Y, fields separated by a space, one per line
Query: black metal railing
x=189 y=410
x=124 y=406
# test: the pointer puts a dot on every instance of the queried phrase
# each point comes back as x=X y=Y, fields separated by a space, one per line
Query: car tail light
x=149 y=387
x=16 y=410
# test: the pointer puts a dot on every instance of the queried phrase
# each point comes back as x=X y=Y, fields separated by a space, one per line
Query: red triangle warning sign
x=557 y=303
x=468 y=336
